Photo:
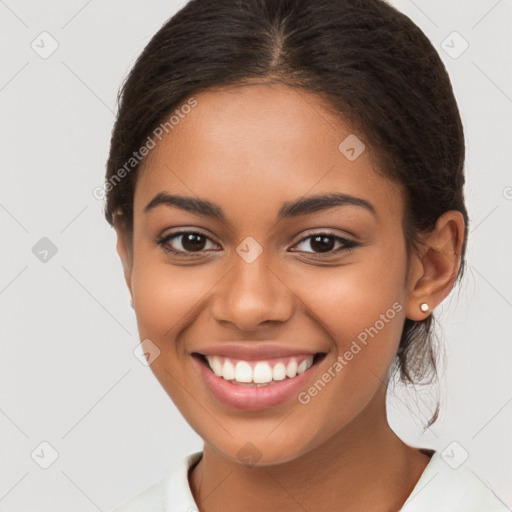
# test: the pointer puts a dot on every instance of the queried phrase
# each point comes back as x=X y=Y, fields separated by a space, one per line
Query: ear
x=434 y=269
x=124 y=248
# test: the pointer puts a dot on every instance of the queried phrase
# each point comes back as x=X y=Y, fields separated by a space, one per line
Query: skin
x=249 y=150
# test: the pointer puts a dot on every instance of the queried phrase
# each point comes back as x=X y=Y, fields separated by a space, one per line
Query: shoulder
x=446 y=489
x=172 y=492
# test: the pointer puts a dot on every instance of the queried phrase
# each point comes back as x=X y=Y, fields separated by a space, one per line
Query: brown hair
x=371 y=63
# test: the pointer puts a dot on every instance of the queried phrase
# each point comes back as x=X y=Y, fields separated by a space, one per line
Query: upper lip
x=251 y=351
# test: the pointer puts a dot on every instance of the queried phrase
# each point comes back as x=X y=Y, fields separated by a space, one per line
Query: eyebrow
x=302 y=206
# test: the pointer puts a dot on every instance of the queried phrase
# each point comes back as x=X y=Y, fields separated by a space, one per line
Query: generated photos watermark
x=162 y=129
x=357 y=345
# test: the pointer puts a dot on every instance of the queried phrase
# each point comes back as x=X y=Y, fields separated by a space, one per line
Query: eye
x=322 y=243
x=186 y=243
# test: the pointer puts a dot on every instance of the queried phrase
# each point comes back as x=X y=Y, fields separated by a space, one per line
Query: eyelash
x=348 y=245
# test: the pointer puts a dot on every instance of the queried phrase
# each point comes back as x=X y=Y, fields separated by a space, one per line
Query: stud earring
x=424 y=307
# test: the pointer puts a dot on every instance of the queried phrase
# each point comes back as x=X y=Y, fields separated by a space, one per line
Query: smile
x=256 y=383
x=259 y=373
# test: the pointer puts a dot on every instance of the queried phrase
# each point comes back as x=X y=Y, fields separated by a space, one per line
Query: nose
x=252 y=294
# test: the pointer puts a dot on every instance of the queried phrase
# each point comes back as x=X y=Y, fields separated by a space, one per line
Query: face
x=268 y=270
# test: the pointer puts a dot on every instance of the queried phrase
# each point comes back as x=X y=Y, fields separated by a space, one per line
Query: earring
x=424 y=307
x=131 y=303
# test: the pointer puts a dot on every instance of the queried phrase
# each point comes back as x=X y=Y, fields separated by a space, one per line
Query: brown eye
x=186 y=243
x=325 y=243
x=193 y=242
x=322 y=243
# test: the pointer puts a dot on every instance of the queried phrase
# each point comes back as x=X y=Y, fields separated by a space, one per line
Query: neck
x=365 y=466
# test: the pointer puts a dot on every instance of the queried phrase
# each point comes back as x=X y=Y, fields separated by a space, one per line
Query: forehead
x=254 y=147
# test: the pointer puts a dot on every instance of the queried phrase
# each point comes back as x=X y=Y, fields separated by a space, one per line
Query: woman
x=286 y=183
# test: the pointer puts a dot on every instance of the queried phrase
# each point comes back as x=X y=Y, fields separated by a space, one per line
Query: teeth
x=243 y=372
x=302 y=367
x=279 y=372
x=216 y=366
x=262 y=373
x=291 y=369
x=228 y=370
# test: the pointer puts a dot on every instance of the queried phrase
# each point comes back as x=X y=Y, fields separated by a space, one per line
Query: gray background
x=68 y=374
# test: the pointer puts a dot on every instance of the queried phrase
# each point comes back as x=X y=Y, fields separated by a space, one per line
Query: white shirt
x=439 y=489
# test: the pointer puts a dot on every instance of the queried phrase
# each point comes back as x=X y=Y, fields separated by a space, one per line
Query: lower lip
x=253 y=398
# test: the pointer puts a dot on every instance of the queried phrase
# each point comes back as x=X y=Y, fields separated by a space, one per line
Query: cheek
x=348 y=301
x=167 y=297
x=167 y=301
x=360 y=307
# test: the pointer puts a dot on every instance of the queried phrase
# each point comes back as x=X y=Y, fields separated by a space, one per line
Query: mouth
x=259 y=373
